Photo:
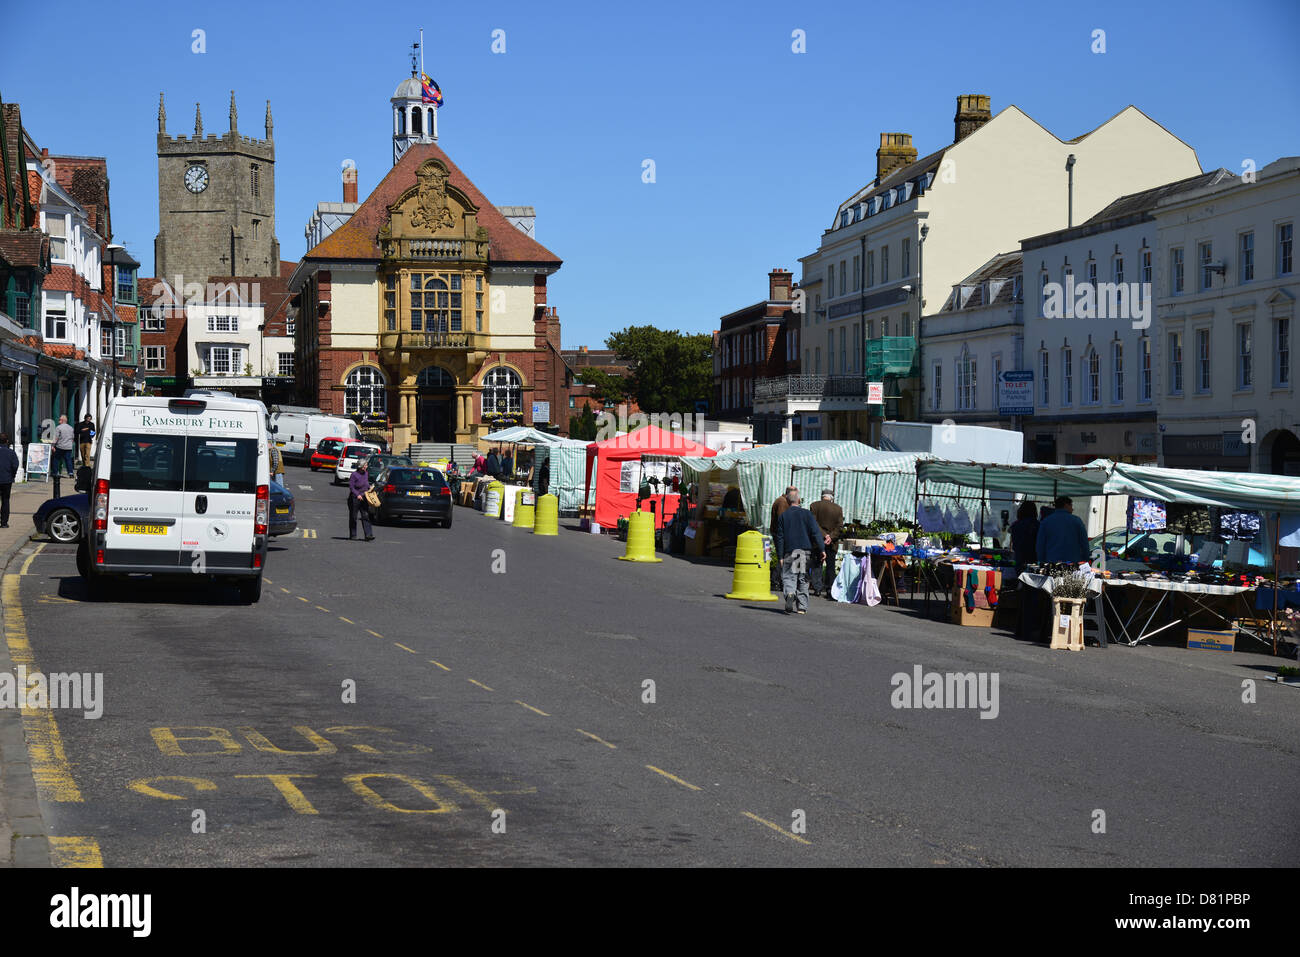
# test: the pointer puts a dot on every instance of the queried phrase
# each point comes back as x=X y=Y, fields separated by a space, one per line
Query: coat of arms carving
x=431 y=209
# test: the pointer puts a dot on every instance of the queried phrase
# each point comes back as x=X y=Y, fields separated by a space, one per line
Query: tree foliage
x=605 y=387
x=583 y=426
x=669 y=371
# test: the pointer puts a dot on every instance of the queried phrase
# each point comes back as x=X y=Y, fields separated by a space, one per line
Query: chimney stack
x=349 y=184
x=896 y=151
x=973 y=111
x=778 y=285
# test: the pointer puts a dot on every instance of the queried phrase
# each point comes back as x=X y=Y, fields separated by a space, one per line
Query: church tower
x=414 y=120
x=216 y=202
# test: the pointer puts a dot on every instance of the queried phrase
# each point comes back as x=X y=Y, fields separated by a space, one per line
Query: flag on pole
x=429 y=91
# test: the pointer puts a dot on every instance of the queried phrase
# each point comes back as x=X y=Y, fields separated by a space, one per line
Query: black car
x=283 y=519
x=413 y=493
x=64 y=519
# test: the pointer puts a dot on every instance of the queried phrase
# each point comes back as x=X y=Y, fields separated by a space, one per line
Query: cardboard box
x=1207 y=640
x=979 y=618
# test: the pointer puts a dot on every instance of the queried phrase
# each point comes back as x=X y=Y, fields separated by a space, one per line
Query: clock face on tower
x=196 y=179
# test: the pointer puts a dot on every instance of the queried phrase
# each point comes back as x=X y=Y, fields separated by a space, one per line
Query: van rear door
x=220 y=498
x=145 y=500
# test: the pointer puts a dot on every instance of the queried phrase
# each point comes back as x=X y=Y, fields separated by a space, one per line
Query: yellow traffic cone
x=640 y=538
x=523 y=513
x=547 y=519
x=749 y=579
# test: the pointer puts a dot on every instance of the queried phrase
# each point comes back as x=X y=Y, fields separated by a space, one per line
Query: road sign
x=1016 y=393
x=875 y=393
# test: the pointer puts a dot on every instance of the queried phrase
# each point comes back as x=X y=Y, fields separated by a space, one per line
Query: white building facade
x=1226 y=291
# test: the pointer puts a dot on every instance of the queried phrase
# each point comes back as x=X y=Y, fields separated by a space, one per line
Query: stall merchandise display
x=1146 y=515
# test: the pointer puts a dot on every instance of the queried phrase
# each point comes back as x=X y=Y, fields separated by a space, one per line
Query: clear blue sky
x=754 y=145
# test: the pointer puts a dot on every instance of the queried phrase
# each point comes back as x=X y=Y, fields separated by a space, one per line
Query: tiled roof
x=358 y=237
x=1000 y=271
x=21 y=247
x=34 y=184
x=270 y=289
x=287 y=268
x=1146 y=200
x=63 y=350
x=901 y=175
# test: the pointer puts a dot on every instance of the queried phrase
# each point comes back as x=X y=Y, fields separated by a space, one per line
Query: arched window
x=365 y=392
x=435 y=377
x=429 y=117
x=416 y=115
x=502 y=392
x=401 y=122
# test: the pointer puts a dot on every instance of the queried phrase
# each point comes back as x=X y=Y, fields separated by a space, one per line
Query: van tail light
x=306 y=440
x=263 y=508
x=99 y=556
x=257 y=559
x=390 y=489
x=101 y=505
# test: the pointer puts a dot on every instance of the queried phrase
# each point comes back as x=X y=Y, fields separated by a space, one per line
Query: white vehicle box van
x=296 y=433
x=180 y=487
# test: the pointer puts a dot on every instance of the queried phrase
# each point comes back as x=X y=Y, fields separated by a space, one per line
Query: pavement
x=22 y=838
x=480 y=696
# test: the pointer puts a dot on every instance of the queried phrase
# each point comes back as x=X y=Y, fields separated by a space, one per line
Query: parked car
x=326 y=455
x=353 y=454
x=283 y=518
x=64 y=519
x=414 y=493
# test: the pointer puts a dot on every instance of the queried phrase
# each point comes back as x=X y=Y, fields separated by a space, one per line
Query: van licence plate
x=144 y=529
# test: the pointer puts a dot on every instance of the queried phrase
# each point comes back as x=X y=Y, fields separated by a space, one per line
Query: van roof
x=218 y=403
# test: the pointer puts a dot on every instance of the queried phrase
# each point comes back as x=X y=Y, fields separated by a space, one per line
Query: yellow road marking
x=75 y=852
x=375 y=633
x=531 y=708
x=403 y=647
x=28 y=564
x=55 y=600
x=439 y=664
x=285 y=590
x=319 y=608
x=776 y=827
x=288 y=790
x=49 y=761
x=672 y=777
x=595 y=738
x=300 y=598
x=479 y=683
x=267 y=580
x=348 y=620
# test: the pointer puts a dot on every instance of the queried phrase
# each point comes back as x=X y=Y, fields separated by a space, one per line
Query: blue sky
x=754 y=145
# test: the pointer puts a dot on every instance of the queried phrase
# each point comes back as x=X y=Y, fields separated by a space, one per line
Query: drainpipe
x=1069 y=169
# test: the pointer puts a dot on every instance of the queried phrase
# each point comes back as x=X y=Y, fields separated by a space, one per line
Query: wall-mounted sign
x=1016 y=393
x=875 y=393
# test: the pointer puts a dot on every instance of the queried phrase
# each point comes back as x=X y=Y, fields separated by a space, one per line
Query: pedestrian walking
x=86 y=438
x=9 y=466
x=779 y=506
x=65 y=440
x=830 y=519
x=358 y=485
x=798 y=538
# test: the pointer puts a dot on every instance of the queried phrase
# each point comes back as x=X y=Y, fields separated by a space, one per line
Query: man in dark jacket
x=9 y=468
x=1062 y=536
x=779 y=506
x=797 y=539
x=830 y=519
x=493 y=464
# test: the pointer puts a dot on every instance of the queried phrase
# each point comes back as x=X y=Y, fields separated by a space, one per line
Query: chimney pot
x=896 y=151
x=349 y=184
x=973 y=111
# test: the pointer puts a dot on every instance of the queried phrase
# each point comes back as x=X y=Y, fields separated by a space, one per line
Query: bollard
x=492 y=501
x=640 y=538
x=547 y=519
x=524 y=509
x=749 y=579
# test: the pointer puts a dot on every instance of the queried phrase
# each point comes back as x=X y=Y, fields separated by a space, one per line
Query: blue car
x=283 y=519
x=64 y=519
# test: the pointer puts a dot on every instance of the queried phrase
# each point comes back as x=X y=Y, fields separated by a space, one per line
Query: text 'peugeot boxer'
x=181 y=487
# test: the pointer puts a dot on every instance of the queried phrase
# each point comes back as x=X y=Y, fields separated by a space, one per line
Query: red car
x=327 y=452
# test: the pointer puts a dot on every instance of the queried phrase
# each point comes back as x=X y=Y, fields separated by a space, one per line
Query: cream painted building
x=936 y=220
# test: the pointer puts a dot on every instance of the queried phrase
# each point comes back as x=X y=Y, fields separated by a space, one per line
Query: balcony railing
x=459 y=341
x=434 y=249
x=810 y=387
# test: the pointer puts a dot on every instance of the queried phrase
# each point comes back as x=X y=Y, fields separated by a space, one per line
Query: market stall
x=614 y=471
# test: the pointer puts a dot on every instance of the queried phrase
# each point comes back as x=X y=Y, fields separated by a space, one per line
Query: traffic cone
x=749 y=579
x=547 y=519
x=523 y=513
x=640 y=538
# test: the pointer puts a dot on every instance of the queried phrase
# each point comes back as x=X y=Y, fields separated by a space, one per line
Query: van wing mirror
x=85 y=478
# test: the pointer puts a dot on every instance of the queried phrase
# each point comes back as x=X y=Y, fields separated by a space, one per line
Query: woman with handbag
x=358 y=505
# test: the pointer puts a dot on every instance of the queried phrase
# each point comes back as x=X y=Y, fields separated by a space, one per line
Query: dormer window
x=125 y=291
x=966 y=292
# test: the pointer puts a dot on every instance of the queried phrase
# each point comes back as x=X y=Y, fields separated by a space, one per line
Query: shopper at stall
x=1024 y=536
x=779 y=506
x=493 y=464
x=1062 y=536
x=830 y=519
x=798 y=539
x=480 y=465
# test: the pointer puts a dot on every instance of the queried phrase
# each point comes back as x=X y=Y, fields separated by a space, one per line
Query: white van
x=180 y=487
x=296 y=433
